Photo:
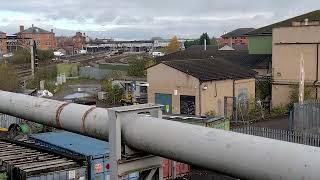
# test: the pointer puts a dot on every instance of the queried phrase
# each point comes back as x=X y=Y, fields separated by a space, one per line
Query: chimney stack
x=21 y=28
x=51 y=30
x=32 y=25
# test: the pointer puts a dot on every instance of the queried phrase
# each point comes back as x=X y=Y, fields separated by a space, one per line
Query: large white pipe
x=240 y=155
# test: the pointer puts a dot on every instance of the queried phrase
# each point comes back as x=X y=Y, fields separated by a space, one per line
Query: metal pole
x=32 y=58
x=239 y=155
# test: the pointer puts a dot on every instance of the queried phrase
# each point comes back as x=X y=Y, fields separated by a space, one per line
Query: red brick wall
x=235 y=40
x=45 y=41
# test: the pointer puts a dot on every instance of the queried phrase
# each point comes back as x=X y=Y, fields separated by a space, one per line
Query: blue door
x=165 y=100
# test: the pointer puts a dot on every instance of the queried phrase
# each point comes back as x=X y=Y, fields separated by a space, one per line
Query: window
x=48 y=43
x=38 y=42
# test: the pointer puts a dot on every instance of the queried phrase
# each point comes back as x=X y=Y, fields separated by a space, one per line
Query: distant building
x=260 y=40
x=79 y=41
x=236 y=37
x=45 y=40
x=3 y=43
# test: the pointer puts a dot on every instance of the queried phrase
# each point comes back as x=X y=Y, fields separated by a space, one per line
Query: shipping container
x=95 y=151
x=21 y=161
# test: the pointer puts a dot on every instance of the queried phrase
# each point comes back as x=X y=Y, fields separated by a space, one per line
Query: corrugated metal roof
x=74 y=142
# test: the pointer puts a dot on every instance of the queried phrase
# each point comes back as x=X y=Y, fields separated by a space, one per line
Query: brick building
x=79 y=41
x=3 y=43
x=236 y=37
x=45 y=40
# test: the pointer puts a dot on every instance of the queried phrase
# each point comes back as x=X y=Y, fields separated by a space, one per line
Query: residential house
x=235 y=37
x=45 y=40
x=3 y=43
x=65 y=43
x=290 y=45
x=260 y=63
x=196 y=87
x=260 y=40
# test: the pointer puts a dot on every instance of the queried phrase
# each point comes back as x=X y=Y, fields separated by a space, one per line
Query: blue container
x=96 y=151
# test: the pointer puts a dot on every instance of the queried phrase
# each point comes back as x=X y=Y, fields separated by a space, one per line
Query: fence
x=6 y=121
x=299 y=137
x=307 y=116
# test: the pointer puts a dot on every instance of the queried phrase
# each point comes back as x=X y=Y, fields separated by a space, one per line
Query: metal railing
x=6 y=120
x=299 y=137
x=307 y=116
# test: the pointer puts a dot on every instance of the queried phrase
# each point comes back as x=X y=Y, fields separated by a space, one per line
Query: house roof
x=238 y=32
x=211 y=69
x=241 y=58
x=2 y=32
x=35 y=30
x=267 y=30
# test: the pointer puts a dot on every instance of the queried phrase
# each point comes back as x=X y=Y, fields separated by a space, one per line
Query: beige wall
x=212 y=99
x=303 y=34
x=248 y=85
x=164 y=79
x=286 y=54
x=280 y=95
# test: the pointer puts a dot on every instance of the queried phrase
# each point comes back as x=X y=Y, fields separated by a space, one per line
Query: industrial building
x=198 y=87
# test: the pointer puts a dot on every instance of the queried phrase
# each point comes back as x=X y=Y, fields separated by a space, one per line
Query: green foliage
x=200 y=41
x=22 y=56
x=48 y=74
x=138 y=66
x=9 y=80
x=203 y=37
x=188 y=44
x=114 y=93
x=211 y=113
x=294 y=94
x=174 y=45
x=213 y=41
x=44 y=55
x=278 y=111
x=263 y=90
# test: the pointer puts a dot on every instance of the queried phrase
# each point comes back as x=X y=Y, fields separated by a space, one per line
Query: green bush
x=44 y=55
x=9 y=80
x=294 y=94
x=48 y=74
x=138 y=65
x=22 y=56
x=278 y=111
x=114 y=93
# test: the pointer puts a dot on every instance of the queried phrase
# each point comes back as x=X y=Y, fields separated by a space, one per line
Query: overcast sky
x=143 y=19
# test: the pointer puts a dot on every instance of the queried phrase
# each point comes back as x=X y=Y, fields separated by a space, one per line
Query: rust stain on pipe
x=58 y=113
x=84 y=117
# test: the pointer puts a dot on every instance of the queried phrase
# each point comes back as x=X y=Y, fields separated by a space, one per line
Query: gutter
x=317 y=72
x=200 y=111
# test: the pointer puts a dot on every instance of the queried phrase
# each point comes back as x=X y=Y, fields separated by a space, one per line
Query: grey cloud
x=140 y=19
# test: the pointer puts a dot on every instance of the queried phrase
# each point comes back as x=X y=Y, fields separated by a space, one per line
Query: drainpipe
x=234 y=113
x=317 y=72
x=200 y=83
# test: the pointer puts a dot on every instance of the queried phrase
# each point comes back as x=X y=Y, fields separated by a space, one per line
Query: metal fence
x=6 y=120
x=307 y=116
x=299 y=137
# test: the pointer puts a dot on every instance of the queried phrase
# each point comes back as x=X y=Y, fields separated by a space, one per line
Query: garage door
x=165 y=100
